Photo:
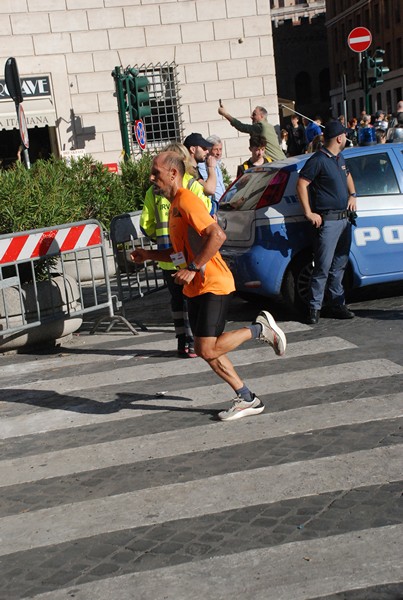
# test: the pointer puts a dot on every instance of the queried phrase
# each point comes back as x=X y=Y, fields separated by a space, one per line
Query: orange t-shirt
x=188 y=218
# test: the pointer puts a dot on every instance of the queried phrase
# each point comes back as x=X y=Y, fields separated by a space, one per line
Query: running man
x=208 y=283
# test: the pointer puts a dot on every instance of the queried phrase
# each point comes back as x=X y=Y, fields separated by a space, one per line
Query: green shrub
x=53 y=192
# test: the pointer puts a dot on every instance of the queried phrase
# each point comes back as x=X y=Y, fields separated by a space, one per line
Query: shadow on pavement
x=54 y=401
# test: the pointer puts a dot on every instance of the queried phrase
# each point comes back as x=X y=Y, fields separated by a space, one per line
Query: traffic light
x=378 y=69
x=370 y=70
x=138 y=98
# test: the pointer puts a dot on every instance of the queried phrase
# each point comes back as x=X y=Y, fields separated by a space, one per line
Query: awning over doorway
x=39 y=112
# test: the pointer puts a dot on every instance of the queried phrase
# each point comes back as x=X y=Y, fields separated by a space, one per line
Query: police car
x=268 y=246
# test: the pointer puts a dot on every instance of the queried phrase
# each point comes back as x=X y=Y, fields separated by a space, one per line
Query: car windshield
x=245 y=192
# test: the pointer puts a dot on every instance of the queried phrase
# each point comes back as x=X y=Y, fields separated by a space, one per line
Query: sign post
x=359 y=40
x=13 y=84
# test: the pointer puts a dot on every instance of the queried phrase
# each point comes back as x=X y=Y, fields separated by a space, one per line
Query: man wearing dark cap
x=326 y=191
x=198 y=149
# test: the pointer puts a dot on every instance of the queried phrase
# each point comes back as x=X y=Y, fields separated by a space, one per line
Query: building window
x=386 y=6
x=353 y=108
x=379 y=101
x=399 y=54
x=389 y=109
x=165 y=123
x=388 y=55
x=324 y=85
x=377 y=18
x=303 y=88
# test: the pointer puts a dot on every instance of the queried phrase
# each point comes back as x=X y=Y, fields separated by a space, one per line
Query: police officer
x=326 y=192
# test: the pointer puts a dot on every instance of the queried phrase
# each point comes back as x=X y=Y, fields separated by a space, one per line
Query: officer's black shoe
x=339 y=312
x=314 y=315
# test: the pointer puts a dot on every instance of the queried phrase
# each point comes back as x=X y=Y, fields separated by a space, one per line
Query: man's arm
x=210 y=184
x=302 y=191
x=254 y=129
x=140 y=255
x=352 y=202
x=213 y=239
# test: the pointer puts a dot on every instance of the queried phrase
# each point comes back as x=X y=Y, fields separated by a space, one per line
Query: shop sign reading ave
x=32 y=87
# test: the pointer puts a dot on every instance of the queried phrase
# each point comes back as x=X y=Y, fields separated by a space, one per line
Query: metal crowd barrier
x=51 y=277
x=133 y=281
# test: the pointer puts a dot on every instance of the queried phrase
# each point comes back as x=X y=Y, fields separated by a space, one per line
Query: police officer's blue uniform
x=329 y=196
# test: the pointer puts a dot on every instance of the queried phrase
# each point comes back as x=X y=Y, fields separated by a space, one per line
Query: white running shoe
x=271 y=332
x=240 y=408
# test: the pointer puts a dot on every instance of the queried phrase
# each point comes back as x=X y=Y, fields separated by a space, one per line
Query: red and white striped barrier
x=25 y=246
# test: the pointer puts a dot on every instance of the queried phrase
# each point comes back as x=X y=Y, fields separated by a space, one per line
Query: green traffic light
x=379 y=69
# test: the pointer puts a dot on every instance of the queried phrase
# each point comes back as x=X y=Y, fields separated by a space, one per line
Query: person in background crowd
x=207 y=283
x=296 y=137
x=395 y=134
x=316 y=144
x=380 y=135
x=154 y=224
x=260 y=127
x=352 y=131
x=380 y=120
x=198 y=149
x=393 y=120
x=331 y=194
x=366 y=132
x=216 y=152
x=257 y=147
x=284 y=141
x=365 y=120
x=313 y=129
x=342 y=120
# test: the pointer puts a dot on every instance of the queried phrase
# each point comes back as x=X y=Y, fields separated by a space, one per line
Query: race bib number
x=179 y=260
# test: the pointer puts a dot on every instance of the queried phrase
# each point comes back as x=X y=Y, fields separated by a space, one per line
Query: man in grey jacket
x=260 y=128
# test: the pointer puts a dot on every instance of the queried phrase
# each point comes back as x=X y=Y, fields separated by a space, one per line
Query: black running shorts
x=207 y=314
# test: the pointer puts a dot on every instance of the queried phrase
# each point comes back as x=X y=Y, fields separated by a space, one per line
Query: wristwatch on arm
x=192 y=267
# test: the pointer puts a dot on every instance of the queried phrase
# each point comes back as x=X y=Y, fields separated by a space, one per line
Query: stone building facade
x=301 y=57
x=67 y=49
x=384 y=19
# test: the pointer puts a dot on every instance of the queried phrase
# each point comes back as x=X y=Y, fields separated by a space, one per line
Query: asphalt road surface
x=118 y=481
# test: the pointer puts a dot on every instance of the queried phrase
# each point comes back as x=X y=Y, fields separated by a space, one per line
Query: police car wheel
x=297 y=281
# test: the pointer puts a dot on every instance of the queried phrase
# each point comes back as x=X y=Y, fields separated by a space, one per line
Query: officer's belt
x=330 y=215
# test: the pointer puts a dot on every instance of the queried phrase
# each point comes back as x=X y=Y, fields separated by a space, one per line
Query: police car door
x=377 y=246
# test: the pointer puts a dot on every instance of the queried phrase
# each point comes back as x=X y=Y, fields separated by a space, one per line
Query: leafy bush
x=53 y=192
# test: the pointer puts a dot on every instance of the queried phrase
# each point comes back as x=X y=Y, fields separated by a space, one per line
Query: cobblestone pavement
x=118 y=481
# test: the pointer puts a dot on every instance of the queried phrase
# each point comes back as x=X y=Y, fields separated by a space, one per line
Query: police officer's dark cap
x=333 y=129
x=196 y=139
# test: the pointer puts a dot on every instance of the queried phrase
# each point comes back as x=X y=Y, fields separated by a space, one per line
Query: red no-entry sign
x=359 y=39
